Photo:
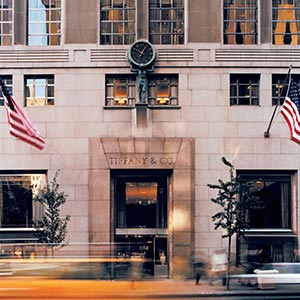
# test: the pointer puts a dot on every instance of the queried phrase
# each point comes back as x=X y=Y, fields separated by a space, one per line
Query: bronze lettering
x=140 y=160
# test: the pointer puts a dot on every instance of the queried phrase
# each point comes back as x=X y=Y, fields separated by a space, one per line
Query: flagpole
x=6 y=93
x=267 y=134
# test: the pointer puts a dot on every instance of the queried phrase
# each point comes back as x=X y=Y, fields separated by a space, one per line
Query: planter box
x=266 y=279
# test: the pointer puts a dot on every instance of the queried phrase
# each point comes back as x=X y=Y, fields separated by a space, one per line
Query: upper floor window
x=8 y=81
x=39 y=90
x=286 y=22
x=166 y=21
x=117 y=22
x=17 y=208
x=6 y=22
x=240 y=21
x=244 y=89
x=121 y=90
x=43 y=22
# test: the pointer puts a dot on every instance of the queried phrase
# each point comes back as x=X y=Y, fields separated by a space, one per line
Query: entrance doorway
x=140 y=213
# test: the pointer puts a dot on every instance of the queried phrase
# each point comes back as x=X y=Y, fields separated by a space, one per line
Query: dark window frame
x=272 y=187
x=24 y=209
x=244 y=89
x=125 y=85
x=163 y=24
x=129 y=89
x=163 y=90
x=240 y=19
x=285 y=22
x=166 y=22
x=279 y=89
x=117 y=22
x=121 y=177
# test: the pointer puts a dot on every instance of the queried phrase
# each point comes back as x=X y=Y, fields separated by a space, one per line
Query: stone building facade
x=106 y=146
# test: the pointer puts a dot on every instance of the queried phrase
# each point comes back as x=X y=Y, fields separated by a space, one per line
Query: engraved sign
x=141 y=161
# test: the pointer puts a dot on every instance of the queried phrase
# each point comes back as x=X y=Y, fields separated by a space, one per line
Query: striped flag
x=19 y=124
x=290 y=111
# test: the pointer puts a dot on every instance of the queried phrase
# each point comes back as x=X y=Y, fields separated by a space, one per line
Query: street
x=16 y=288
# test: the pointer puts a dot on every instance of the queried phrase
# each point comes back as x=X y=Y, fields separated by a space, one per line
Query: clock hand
x=137 y=50
x=142 y=52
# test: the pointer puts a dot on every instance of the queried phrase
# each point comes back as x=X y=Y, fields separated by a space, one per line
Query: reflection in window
x=244 y=89
x=6 y=23
x=141 y=201
x=271 y=224
x=117 y=22
x=286 y=22
x=274 y=193
x=163 y=90
x=39 y=90
x=120 y=90
x=240 y=21
x=8 y=81
x=166 y=21
x=17 y=208
x=44 y=22
x=279 y=87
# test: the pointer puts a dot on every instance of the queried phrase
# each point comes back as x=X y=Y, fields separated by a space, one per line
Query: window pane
x=279 y=87
x=43 y=22
x=240 y=22
x=141 y=203
x=6 y=23
x=39 y=91
x=273 y=196
x=286 y=22
x=166 y=22
x=163 y=90
x=117 y=22
x=16 y=205
x=272 y=218
x=274 y=193
x=120 y=90
x=244 y=89
x=141 y=200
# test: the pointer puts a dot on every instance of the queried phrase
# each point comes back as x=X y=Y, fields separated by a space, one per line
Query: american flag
x=290 y=111
x=19 y=124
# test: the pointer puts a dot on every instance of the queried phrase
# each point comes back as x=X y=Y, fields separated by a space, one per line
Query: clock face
x=141 y=53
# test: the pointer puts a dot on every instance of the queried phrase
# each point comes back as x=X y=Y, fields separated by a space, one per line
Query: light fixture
x=121 y=101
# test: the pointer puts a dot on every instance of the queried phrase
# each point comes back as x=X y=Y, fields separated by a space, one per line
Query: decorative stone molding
x=146 y=153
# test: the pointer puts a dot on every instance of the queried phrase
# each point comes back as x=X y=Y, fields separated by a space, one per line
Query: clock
x=141 y=53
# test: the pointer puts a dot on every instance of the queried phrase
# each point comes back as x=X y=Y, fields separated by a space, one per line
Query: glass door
x=140 y=213
x=161 y=254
